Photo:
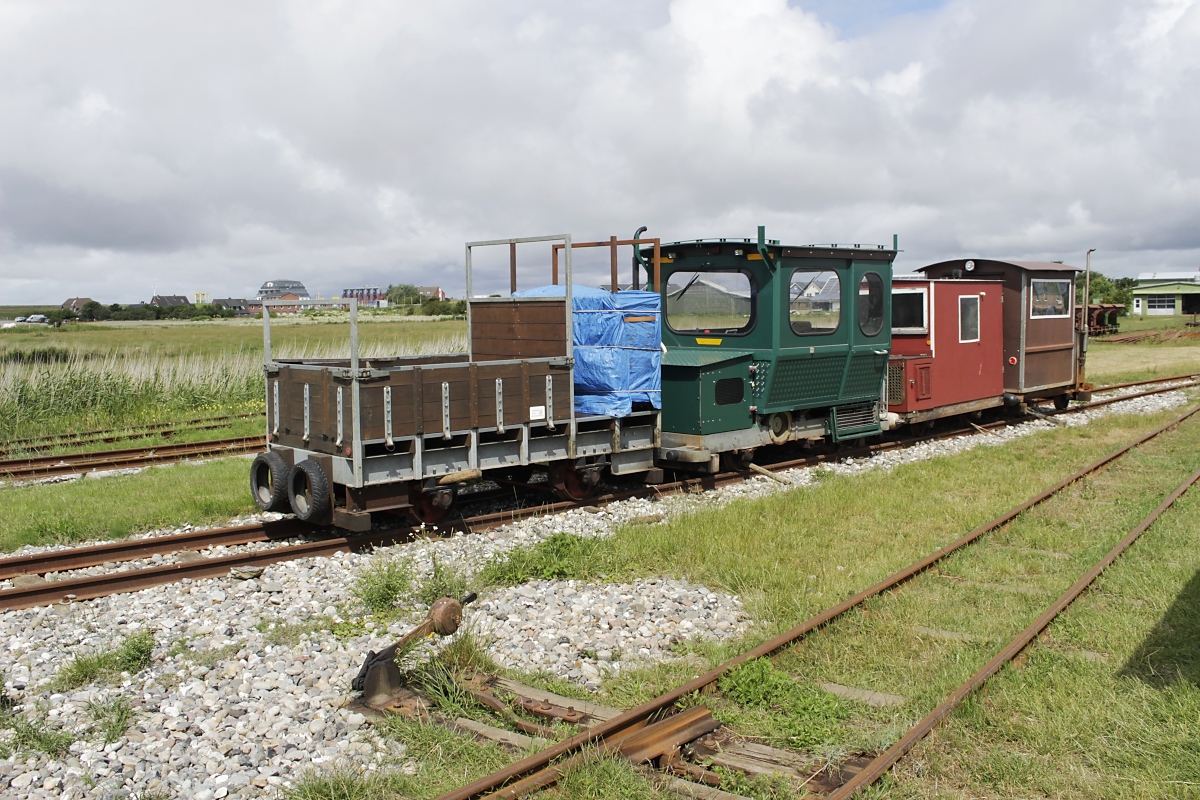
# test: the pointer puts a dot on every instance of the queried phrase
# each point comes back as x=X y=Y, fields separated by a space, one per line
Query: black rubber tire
x=269 y=482
x=308 y=491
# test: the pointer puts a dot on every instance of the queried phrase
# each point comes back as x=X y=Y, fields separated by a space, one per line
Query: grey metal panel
x=593 y=443
x=499 y=454
x=634 y=461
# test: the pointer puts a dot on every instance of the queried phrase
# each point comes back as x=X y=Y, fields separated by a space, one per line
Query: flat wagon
x=352 y=437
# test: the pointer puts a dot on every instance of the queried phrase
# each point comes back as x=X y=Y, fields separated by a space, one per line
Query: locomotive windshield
x=710 y=301
x=815 y=301
x=870 y=304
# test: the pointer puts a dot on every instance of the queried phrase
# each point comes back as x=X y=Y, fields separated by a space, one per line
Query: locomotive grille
x=853 y=418
x=895 y=383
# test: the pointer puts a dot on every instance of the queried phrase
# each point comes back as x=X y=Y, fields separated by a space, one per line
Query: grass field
x=290 y=336
x=107 y=375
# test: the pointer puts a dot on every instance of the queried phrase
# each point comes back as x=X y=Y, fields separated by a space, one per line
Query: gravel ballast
x=232 y=706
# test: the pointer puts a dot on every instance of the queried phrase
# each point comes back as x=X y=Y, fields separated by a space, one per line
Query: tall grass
x=52 y=389
x=80 y=391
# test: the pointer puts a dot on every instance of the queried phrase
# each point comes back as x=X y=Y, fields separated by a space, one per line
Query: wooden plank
x=597 y=713
x=682 y=788
x=508 y=738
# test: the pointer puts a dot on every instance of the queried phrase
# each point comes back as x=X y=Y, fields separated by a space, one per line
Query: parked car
x=38 y=318
x=19 y=319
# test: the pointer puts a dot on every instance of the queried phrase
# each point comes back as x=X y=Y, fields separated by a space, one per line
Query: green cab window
x=814 y=301
x=870 y=304
x=710 y=301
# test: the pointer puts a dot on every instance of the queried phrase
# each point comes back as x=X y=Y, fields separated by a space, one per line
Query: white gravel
x=224 y=712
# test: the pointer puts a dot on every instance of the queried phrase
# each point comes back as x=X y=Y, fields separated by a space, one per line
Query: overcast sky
x=179 y=147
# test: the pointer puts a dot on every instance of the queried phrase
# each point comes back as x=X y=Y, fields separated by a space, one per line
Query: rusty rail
x=103 y=435
x=133 y=549
x=1184 y=377
x=533 y=769
x=882 y=763
x=50 y=466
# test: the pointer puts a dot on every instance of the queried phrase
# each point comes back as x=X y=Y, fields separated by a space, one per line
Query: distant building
x=75 y=304
x=292 y=303
x=275 y=290
x=203 y=298
x=366 y=295
x=1167 y=299
x=236 y=304
x=168 y=300
x=431 y=293
x=1152 y=278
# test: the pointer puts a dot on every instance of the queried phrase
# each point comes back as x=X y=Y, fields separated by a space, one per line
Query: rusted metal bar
x=613 y=243
x=512 y=266
x=553 y=264
x=94 y=555
x=613 y=260
x=638 y=715
x=657 y=261
x=882 y=763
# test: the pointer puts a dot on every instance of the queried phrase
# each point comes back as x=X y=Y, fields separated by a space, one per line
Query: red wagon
x=947 y=348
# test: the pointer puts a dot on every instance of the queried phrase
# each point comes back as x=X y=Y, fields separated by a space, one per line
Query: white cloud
x=338 y=142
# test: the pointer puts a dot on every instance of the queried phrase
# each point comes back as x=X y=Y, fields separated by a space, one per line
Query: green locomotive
x=767 y=343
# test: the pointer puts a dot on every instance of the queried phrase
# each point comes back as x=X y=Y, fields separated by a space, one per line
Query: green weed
x=31 y=736
x=111 y=716
x=559 y=557
x=445 y=581
x=340 y=783
x=796 y=714
x=133 y=655
x=382 y=583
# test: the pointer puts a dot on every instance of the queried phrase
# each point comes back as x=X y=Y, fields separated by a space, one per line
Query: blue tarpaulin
x=617 y=348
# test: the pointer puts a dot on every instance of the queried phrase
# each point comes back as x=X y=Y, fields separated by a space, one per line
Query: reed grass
x=49 y=388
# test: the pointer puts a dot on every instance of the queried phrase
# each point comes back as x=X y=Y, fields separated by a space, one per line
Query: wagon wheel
x=574 y=487
x=425 y=510
x=569 y=484
x=1062 y=401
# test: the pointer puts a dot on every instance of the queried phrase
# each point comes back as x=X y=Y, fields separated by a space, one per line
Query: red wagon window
x=968 y=318
x=908 y=311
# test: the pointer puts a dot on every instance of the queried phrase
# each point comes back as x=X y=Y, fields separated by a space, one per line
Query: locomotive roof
x=1029 y=266
x=715 y=246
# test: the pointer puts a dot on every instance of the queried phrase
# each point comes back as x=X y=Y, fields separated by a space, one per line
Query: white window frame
x=924 y=308
x=978 y=317
x=1160 y=302
x=1070 y=298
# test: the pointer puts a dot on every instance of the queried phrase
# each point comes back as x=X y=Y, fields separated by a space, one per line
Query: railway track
x=104 y=436
x=67 y=588
x=36 y=467
x=654 y=732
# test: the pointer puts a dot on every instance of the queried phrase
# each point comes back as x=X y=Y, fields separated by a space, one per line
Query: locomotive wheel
x=308 y=491
x=1062 y=401
x=574 y=486
x=269 y=481
x=737 y=460
x=425 y=510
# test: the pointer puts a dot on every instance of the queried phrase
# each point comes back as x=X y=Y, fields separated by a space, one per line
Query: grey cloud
x=364 y=142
